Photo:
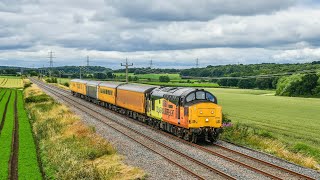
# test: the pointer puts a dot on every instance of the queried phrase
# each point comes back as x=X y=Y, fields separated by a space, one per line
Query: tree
x=264 y=83
x=100 y=75
x=164 y=79
x=246 y=83
x=298 y=85
x=110 y=75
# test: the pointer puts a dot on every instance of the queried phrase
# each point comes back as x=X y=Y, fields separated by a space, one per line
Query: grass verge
x=243 y=134
x=28 y=165
x=68 y=149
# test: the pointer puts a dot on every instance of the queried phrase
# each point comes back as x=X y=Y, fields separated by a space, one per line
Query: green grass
x=173 y=84
x=6 y=139
x=3 y=102
x=27 y=162
x=11 y=77
x=63 y=80
x=151 y=76
x=291 y=120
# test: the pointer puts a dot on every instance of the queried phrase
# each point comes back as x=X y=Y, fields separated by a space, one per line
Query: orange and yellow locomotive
x=185 y=112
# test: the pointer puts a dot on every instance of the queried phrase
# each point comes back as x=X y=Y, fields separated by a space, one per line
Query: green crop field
x=63 y=80
x=10 y=82
x=290 y=119
x=176 y=84
x=27 y=157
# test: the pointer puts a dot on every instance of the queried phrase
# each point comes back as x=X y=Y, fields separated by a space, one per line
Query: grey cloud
x=186 y=10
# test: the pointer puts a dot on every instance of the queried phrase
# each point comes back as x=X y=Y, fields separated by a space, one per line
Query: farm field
x=10 y=82
x=151 y=76
x=292 y=120
x=173 y=83
x=17 y=148
x=177 y=84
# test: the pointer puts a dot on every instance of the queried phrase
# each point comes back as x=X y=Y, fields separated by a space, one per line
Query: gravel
x=159 y=168
x=134 y=154
x=272 y=159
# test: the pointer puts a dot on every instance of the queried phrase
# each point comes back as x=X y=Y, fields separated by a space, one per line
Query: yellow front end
x=205 y=114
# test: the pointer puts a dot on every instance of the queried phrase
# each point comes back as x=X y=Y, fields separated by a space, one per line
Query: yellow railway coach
x=107 y=92
x=133 y=97
x=78 y=86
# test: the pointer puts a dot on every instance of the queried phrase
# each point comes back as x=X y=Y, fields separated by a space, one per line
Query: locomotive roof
x=79 y=81
x=110 y=84
x=174 y=91
x=137 y=87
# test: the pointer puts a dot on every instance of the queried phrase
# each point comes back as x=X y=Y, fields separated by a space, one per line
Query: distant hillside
x=250 y=70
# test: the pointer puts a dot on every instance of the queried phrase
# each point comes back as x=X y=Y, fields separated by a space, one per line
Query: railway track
x=263 y=167
x=168 y=153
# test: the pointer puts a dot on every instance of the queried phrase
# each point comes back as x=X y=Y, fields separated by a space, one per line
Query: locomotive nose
x=207 y=116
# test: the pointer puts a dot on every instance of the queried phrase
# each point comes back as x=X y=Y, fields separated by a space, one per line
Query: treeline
x=148 y=71
x=299 y=85
x=249 y=83
x=249 y=70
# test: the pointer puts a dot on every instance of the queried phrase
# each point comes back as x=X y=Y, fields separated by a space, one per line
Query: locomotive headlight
x=212 y=112
x=200 y=112
x=207 y=120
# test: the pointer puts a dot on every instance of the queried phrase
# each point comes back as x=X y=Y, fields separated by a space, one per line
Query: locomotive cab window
x=190 y=97
x=210 y=97
x=200 y=95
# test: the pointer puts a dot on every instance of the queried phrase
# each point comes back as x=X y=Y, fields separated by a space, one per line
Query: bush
x=164 y=79
x=52 y=80
x=26 y=85
x=38 y=99
x=66 y=84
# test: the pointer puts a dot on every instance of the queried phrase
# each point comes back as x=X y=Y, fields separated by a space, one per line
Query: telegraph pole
x=51 y=61
x=197 y=63
x=127 y=66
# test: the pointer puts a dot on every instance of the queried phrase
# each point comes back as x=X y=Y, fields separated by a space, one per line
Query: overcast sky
x=173 y=33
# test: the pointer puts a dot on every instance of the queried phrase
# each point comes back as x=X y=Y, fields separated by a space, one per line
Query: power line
x=51 y=61
x=151 y=63
x=127 y=66
x=197 y=63
x=88 y=61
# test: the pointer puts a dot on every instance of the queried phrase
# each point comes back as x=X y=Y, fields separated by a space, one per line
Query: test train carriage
x=185 y=112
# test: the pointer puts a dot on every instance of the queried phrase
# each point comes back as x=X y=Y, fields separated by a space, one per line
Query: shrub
x=52 y=80
x=66 y=84
x=38 y=98
x=26 y=85
x=164 y=79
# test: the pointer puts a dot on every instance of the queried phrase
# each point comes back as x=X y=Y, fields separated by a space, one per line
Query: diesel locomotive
x=188 y=113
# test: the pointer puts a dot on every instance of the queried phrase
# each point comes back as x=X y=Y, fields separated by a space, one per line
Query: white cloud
x=215 y=31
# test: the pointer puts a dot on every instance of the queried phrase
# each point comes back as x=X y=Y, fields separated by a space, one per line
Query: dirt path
x=13 y=163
